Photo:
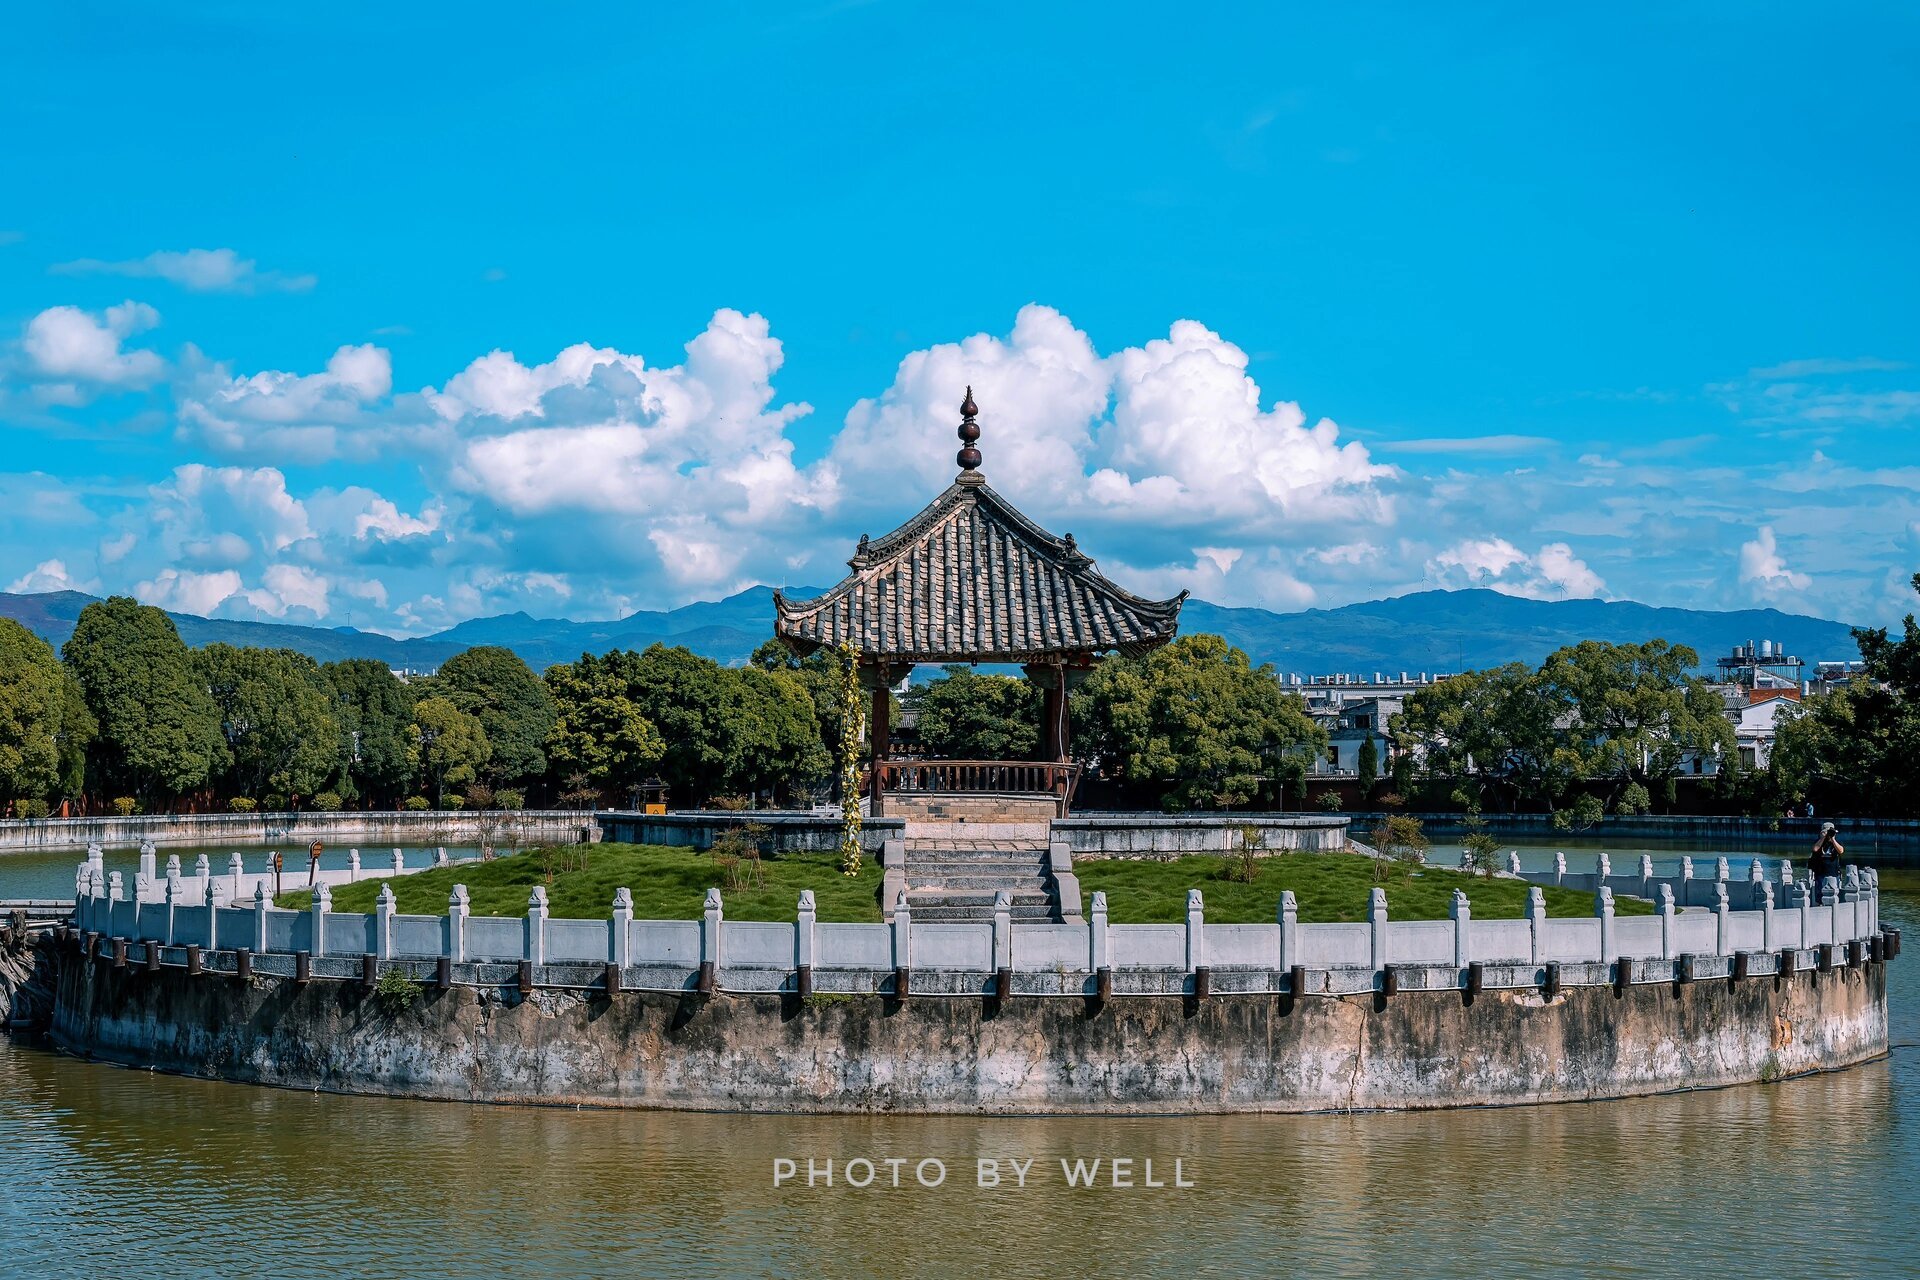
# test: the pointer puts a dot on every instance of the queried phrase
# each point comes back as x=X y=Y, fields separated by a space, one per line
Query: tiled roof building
x=970 y=579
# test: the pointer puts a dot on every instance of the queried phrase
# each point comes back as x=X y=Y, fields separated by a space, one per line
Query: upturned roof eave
x=1151 y=623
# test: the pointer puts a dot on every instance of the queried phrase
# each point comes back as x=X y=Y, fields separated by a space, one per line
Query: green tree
x=512 y=704
x=1197 y=722
x=776 y=744
x=44 y=723
x=449 y=747
x=965 y=715
x=1859 y=746
x=1490 y=729
x=1631 y=712
x=691 y=702
x=159 y=731
x=276 y=715
x=818 y=673
x=1367 y=767
x=375 y=710
x=600 y=732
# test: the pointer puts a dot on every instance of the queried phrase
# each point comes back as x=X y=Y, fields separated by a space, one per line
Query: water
x=50 y=875
x=119 y=1172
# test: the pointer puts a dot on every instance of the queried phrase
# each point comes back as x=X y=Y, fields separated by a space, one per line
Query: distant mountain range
x=1427 y=631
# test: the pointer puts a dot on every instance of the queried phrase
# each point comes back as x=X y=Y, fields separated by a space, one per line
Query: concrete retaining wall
x=1155 y=836
x=290 y=830
x=786 y=831
x=1097 y=835
x=1152 y=1054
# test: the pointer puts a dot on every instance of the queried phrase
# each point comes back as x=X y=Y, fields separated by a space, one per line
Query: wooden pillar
x=1051 y=745
x=1063 y=721
x=1054 y=738
x=877 y=735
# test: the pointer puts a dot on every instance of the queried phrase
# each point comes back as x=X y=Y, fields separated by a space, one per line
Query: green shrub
x=395 y=990
x=327 y=802
x=736 y=852
x=273 y=802
x=1587 y=812
x=508 y=799
x=453 y=802
x=1634 y=800
x=1243 y=864
x=1480 y=852
x=416 y=803
x=1400 y=840
x=30 y=808
x=242 y=804
x=1328 y=800
x=125 y=806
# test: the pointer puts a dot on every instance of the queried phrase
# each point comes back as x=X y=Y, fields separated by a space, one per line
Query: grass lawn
x=1327 y=886
x=667 y=884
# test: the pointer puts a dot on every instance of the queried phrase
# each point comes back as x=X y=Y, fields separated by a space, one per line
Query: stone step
x=921 y=884
x=1039 y=832
x=954 y=896
x=1036 y=913
x=976 y=866
x=978 y=847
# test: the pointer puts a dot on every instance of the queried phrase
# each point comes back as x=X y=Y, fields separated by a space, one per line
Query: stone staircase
x=954 y=870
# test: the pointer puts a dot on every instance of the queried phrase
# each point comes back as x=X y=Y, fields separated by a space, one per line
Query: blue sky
x=393 y=316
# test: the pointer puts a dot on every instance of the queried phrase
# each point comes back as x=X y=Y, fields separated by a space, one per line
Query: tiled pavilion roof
x=970 y=579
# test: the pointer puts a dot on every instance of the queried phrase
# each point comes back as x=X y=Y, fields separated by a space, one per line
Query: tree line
x=1597 y=726
x=1856 y=749
x=1602 y=727
x=125 y=717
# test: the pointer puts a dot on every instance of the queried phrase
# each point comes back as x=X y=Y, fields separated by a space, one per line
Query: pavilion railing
x=1015 y=777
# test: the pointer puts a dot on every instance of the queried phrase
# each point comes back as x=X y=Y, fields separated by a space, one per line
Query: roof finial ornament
x=969 y=455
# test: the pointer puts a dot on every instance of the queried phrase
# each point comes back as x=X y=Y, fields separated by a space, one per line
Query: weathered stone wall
x=785 y=831
x=1091 y=835
x=1166 y=836
x=963 y=1054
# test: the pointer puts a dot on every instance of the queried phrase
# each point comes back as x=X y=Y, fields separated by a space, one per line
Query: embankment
x=776 y=1052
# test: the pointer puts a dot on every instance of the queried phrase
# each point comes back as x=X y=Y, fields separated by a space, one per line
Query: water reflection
x=140 y=1174
x=164 y=1176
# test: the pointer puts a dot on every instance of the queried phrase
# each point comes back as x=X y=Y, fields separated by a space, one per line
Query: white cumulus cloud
x=49 y=575
x=1551 y=573
x=305 y=417
x=1764 y=569
x=69 y=343
x=186 y=591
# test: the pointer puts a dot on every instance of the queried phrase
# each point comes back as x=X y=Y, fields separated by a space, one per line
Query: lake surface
x=116 y=1172
x=50 y=875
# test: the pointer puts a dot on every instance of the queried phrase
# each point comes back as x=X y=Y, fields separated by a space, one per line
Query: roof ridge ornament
x=969 y=455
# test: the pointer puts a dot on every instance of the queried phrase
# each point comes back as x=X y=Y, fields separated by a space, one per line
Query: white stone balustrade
x=1050 y=958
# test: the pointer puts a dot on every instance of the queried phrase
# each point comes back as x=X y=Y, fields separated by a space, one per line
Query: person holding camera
x=1825 y=862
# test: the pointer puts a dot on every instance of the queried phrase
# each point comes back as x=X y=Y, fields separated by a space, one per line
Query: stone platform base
x=970 y=807
x=971 y=1054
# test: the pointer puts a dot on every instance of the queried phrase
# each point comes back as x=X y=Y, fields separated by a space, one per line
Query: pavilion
x=971 y=580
